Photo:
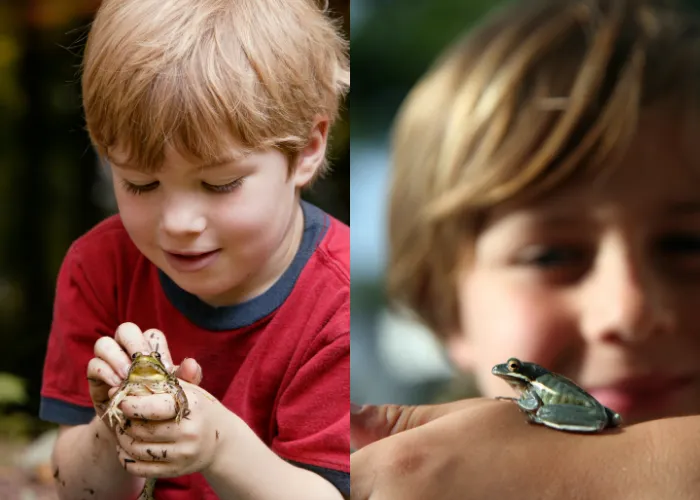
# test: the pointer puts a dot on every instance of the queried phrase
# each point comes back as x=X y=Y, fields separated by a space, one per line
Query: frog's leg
x=113 y=412
x=529 y=401
x=614 y=418
x=148 y=488
x=181 y=406
x=573 y=418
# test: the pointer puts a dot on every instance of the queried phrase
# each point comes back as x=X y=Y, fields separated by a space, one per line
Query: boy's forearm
x=664 y=456
x=85 y=464
x=246 y=469
x=656 y=459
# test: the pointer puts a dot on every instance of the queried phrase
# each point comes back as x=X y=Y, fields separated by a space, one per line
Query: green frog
x=553 y=400
x=147 y=375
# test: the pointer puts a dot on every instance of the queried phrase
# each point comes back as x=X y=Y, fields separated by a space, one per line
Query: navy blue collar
x=240 y=315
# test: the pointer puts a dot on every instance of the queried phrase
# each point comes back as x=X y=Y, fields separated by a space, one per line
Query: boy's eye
x=139 y=188
x=223 y=188
x=554 y=264
x=680 y=244
x=550 y=257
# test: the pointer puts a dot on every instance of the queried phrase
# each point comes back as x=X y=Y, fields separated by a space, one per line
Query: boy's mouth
x=643 y=395
x=188 y=262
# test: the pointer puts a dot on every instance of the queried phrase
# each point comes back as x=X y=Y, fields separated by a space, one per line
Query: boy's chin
x=213 y=292
x=649 y=412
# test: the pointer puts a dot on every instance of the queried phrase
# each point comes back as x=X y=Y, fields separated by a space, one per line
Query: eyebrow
x=224 y=160
x=684 y=208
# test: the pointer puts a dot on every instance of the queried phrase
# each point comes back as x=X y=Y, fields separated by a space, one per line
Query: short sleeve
x=313 y=415
x=80 y=316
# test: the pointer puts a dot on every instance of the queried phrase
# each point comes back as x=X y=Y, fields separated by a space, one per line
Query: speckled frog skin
x=147 y=375
x=553 y=400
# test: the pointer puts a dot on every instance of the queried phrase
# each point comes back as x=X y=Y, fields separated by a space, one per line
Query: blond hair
x=199 y=76
x=544 y=91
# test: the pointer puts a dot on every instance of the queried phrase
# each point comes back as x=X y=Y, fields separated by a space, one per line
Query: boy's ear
x=460 y=351
x=310 y=159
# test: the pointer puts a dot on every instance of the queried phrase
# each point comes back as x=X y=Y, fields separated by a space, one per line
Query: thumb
x=189 y=371
x=371 y=423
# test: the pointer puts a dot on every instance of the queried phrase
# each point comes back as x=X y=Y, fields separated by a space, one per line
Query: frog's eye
x=135 y=355
x=155 y=354
x=513 y=365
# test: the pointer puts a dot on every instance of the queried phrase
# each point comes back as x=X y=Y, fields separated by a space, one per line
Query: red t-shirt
x=279 y=361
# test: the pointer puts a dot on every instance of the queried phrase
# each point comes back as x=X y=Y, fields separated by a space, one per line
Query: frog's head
x=518 y=373
x=147 y=367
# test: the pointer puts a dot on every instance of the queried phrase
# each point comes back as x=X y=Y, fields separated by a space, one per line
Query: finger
x=99 y=369
x=158 y=343
x=100 y=377
x=129 y=336
x=143 y=468
x=151 y=431
x=370 y=423
x=189 y=371
x=107 y=349
x=154 y=407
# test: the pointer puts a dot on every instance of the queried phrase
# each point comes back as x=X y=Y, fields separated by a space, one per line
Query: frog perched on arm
x=545 y=206
x=553 y=400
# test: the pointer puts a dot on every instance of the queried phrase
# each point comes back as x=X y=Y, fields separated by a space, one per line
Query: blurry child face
x=599 y=281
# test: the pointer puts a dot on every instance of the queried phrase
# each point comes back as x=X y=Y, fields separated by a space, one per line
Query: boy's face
x=224 y=233
x=599 y=282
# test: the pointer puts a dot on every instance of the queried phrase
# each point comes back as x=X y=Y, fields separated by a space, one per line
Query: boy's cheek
x=501 y=320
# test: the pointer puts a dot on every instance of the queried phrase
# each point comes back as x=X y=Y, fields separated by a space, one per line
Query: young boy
x=213 y=115
x=550 y=161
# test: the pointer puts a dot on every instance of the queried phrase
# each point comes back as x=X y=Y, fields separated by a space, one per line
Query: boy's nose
x=625 y=301
x=181 y=218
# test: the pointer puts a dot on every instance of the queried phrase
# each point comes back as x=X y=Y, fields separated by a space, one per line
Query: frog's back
x=555 y=389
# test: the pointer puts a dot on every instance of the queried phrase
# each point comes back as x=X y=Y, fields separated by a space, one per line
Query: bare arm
x=85 y=461
x=657 y=459
x=485 y=449
x=246 y=469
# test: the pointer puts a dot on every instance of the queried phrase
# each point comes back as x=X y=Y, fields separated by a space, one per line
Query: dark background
x=52 y=189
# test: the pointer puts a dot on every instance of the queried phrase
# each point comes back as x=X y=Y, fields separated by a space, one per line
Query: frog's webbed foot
x=505 y=398
x=113 y=412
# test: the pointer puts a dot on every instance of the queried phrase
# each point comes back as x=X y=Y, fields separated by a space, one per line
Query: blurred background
x=393 y=43
x=52 y=190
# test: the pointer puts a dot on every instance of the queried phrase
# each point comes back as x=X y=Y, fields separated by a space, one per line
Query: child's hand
x=471 y=449
x=113 y=359
x=153 y=445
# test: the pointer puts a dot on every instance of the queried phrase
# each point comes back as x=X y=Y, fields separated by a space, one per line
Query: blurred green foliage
x=12 y=390
x=394 y=46
x=13 y=393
